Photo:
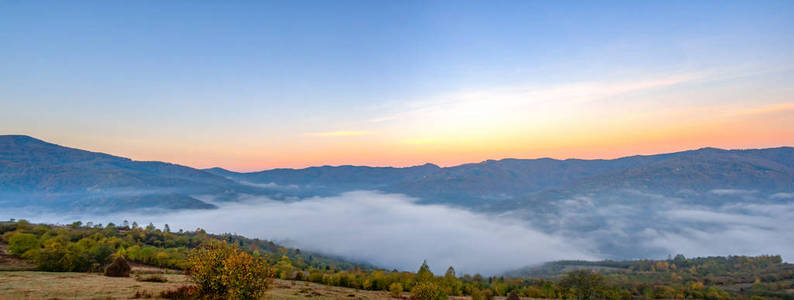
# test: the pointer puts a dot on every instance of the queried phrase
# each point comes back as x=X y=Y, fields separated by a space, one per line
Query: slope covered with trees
x=89 y=247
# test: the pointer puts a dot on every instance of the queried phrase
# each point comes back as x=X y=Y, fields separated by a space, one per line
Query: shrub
x=396 y=289
x=19 y=243
x=119 y=268
x=206 y=267
x=476 y=294
x=221 y=270
x=513 y=296
x=488 y=294
x=427 y=291
x=182 y=292
x=246 y=276
x=152 y=278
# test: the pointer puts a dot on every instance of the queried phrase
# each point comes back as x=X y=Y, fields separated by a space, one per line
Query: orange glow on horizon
x=586 y=137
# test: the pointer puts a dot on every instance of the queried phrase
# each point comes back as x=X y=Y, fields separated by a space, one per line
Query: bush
x=19 y=243
x=513 y=296
x=182 y=292
x=396 y=289
x=476 y=294
x=246 y=276
x=427 y=291
x=488 y=294
x=119 y=268
x=152 y=278
x=206 y=267
x=221 y=270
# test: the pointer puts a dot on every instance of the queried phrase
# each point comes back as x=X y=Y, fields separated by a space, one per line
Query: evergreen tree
x=424 y=273
x=450 y=273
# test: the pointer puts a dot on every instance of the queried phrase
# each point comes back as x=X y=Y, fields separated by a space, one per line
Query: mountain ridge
x=38 y=169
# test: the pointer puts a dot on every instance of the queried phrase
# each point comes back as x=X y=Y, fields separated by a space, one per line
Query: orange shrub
x=222 y=270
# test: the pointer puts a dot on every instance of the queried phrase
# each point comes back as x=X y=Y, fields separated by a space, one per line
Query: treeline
x=80 y=247
x=681 y=277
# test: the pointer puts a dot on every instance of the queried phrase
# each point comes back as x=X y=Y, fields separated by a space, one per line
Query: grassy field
x=54 y=285
x=19 y=280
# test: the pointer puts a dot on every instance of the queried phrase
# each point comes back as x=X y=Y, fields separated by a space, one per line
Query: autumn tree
x=424 y=273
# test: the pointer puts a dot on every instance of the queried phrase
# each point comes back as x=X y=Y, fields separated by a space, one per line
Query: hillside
x=66 y=261
x=36 y=172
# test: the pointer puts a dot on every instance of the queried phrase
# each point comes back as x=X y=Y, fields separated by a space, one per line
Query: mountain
x=33 y=171
x=328 y=180
x=36 y=172
x=511 y=183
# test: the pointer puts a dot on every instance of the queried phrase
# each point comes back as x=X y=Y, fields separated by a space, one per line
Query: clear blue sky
x=256 y=84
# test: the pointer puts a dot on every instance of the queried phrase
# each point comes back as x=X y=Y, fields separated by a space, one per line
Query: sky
x=251 y=85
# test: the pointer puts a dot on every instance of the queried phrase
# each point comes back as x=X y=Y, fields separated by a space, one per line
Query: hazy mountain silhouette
x=687 y=173
x=33 y=170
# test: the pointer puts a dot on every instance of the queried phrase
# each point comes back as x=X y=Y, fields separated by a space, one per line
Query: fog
x=395 y=231
x=387 y=230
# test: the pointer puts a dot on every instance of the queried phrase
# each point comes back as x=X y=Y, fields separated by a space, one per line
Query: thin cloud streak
x=339 y=133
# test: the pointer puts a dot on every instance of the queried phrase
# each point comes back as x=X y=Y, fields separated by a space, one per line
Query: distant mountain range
x=511 y=182
x=34 y=172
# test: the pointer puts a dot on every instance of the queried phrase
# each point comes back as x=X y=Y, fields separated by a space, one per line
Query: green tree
x=584 y=285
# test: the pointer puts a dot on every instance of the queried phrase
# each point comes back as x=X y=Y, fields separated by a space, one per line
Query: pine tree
x=424 y=273
x=450 y=273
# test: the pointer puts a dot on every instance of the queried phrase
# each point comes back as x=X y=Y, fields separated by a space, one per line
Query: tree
x=584 y=285
x=396 y=289
x=424 y=273
x=476 y=294
x=452 y=285
x=450 y=273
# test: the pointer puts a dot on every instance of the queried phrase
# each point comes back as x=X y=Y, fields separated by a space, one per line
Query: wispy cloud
x=508 y=101
x=339 y=133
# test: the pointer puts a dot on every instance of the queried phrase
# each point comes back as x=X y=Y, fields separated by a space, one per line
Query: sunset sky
x=251 y=85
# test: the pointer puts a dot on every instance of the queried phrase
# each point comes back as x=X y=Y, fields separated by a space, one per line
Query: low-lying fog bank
x=393 y=231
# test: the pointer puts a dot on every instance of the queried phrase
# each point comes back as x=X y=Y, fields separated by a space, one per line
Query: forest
x=87 y=247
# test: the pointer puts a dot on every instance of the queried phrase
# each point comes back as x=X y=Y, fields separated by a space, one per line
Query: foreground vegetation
x=236 y=267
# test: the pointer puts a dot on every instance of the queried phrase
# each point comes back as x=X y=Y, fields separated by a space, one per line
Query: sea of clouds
x=395 y=231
